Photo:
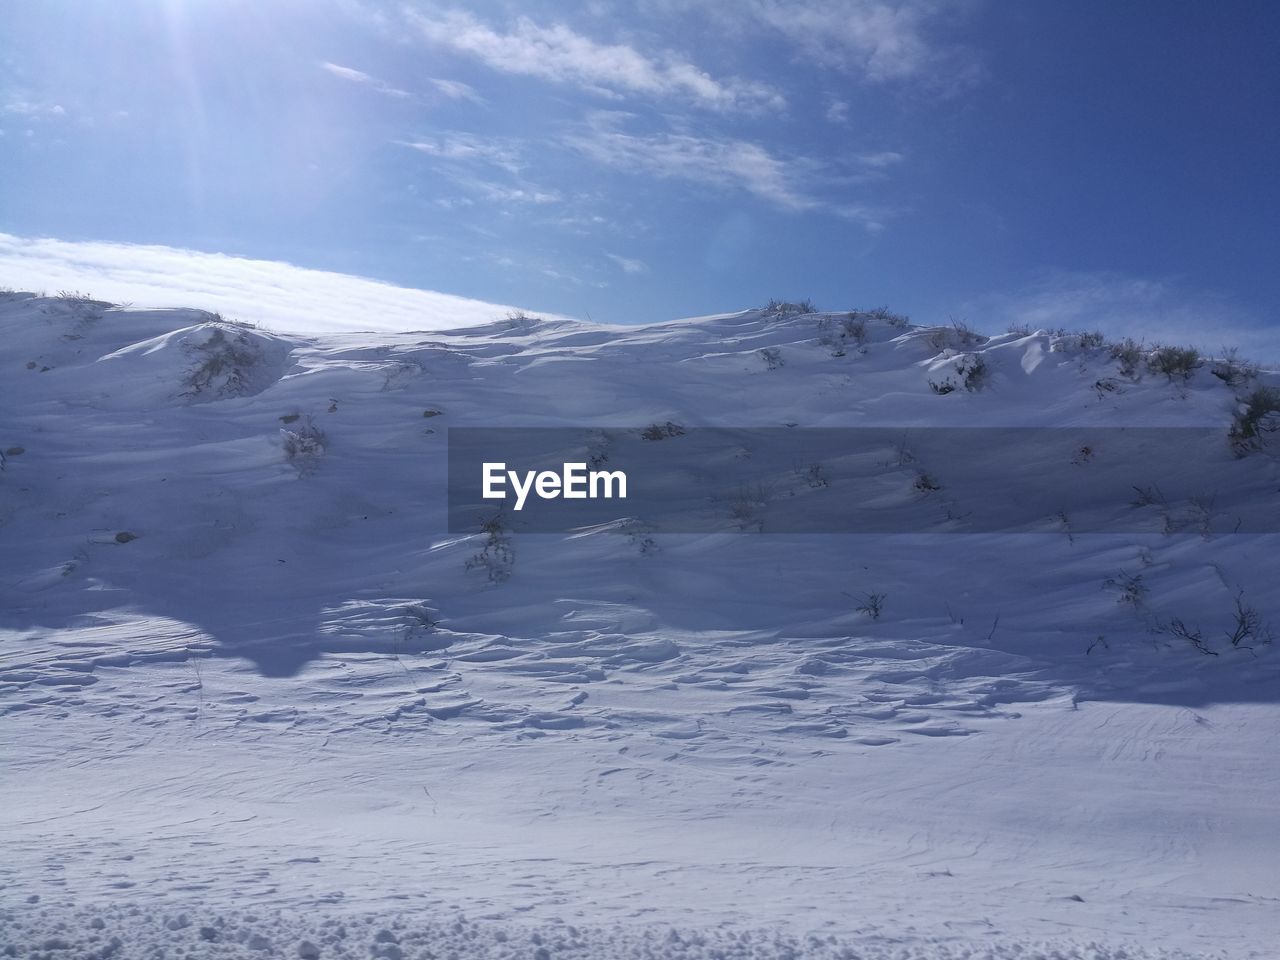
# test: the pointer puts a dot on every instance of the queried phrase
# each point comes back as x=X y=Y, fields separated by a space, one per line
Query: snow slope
x=257 y=701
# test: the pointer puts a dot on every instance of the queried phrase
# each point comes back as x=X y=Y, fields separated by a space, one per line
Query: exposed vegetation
x=790 y=308
x=849 y=331
x=1176 y=363
x=1233 y=371
x=497 y=558
x=1129 y=354
x=225 y=362
x=304 y=445
x=872 y=604
x=971 y=369
x=1257 y=414
x=1129 y=586
x=772 y=358
x=661 y=431
x=956 y=336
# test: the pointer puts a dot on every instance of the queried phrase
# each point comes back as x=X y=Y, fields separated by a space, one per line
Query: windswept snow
x=258 y=702
x=269 y=292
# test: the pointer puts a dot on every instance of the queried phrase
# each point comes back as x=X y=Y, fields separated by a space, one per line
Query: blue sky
x=1094 y=163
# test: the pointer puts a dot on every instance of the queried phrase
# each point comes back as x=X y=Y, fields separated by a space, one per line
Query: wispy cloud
x=281 y=296
x=628 y=265
x=503 y=193
x=438 y=88
x=26 y=106
x=469 y=148
x=837 y=111
x=881 y=160
x=463 y=152
x=726 y=163
x=352 y=75
x=454 y=90
x=558 y=54
x=1121 y=305
x=881 y=40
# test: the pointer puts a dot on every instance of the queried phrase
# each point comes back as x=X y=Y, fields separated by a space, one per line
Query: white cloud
x=22 y=106
x=721 y=162
x=499 y=193
x=466 y=147
x=441 y=88
x=878 y=161
x=356 y=76
x=882 y=40
x=788 y=183
x=1120 y=305
x=278 y=295
x=461 y=150
x=558 y=54
x=455 y=90
x=629 y=265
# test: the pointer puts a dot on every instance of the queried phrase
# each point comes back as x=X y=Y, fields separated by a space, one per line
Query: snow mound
x=197 y=364
x=242 y=656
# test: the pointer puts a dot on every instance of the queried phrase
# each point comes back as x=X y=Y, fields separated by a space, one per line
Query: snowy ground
x=255 y=704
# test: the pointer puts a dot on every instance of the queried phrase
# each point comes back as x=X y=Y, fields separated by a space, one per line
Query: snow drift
x=258 y=701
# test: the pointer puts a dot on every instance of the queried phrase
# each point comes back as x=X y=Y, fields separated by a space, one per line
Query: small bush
x=926 y=484
x=1106 y=385
x=1129 y=354
x=1149 y=496
x=661 y=431
x=896 y=320
x=789 y=308
x=872 y=604
x=497 y=557
x=814 y=475
x=639 y=535
x=304 y=445
x=75 y=296
x=1247 y=624
x=1178 y=628
x=1233 y=371
x=772 y=358
x=851 y=329
x=957 y=336
x=1176 y=363
x=225 y=363
x=854 y=328
x=1129 y=586
x=1257 y=414
x=972 y=371
x=1083 y=340
x=748 y=505
x=1091 y=339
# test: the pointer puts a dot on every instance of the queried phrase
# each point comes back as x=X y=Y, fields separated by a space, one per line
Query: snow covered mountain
x=258 y=701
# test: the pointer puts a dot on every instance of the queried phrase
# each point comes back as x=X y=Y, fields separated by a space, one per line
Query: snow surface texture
x=257 y=703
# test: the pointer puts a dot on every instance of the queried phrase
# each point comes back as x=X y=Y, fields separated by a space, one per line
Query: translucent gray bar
x=874 y=480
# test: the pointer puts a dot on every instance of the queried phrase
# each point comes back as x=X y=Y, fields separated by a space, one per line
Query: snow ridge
x=241 y=656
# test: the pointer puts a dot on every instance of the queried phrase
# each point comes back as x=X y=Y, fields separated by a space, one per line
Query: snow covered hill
x=257 y=701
